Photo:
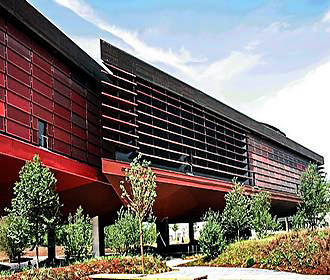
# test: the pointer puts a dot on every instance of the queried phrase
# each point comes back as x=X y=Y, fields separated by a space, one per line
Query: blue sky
x=268 y=59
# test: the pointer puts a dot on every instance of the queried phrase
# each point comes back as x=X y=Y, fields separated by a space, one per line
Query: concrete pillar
x=163 y=239
x=51 y=246
x=98 y=237
x=191 y=233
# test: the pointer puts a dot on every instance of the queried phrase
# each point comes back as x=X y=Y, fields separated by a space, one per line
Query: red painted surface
x=180 y=196
x=36 y=84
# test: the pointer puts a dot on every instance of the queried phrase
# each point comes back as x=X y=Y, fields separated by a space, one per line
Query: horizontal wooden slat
x=119 y=69
x=120 y=121
x=119 y=99
x=120 y=131
x=121 y=143
x=117 y=87
x=119 y=110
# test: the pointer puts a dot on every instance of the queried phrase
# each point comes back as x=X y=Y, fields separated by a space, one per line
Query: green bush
x=76 y=236
x=13 y=236
x=262 y=220
x=123 y=236
x=211 y=238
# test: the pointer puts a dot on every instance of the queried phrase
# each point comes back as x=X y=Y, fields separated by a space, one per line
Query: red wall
x=37 y=84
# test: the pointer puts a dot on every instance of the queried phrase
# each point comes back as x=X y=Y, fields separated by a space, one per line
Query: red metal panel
x=60 y=99
x=42 y=52
x=78 y=99
x=18 y=102
x=79 y=154
x=19 y=48
x=34 y=123
x=61 y=66
x=94 y=129
x=41 y=113
x=2 y=50
x=42 y=101
x=19 y=61
x=78 y=110
x=2 y=124
x=78 y=88
x=94 y=139
x=79 y=132
x=35 y=136
x=2 y=80
x=61 y=88
x=78 y=120
x=18 y=87
x=18 y=115
x=2 y=109
x=61 y=77
x=42 y=88
x=2 y=94
x=80 y=143
x=19 y=35
x=93 y=108
x=94 y=160
x=93 y=118
x=95 y=150
x=18 y=74
x=61 y=147
x=2 y=23
x=18 y=129
x=2 y=65
x=41 y=75
x=42 y=63
x=62 y=135
x=60 y=122
x=50 y=130
x=92 y=98
x=61 y=111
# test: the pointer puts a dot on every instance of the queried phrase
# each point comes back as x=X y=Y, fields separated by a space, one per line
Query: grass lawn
x=306 y=252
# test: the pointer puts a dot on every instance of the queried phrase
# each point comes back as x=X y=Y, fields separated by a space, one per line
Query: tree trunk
x=37 y=252
x=141 y=244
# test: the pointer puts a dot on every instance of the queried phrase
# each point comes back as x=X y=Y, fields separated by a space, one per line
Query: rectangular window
x=43 y=139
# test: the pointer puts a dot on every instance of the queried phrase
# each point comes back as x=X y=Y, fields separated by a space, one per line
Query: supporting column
x=98 y=237
x=191 y=233
x=163 y=239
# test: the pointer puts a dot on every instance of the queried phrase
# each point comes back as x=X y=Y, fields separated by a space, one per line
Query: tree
x=13 y=236
x=313 y=191
x=35 y=200
x=140 y=194
x=211 y=239
x=262 y=220
x=124 y=237
x=76 y=236
x=236 y=216
x=175 y=228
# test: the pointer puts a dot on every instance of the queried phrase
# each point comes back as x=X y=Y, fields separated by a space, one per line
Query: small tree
x=124 y=237
x=262 y=220
x=13 y=236
x=236 y=216
x=140 y=194
x=211 y=239
x=175 y=228
x=35 y=200
x=313 y=191
x=76 y=236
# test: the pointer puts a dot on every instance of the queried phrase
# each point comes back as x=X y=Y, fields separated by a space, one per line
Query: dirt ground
x=43 y=251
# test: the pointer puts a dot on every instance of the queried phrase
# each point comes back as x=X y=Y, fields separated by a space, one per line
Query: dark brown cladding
x=121 y=59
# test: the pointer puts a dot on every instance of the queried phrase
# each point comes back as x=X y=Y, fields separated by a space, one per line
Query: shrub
x=262 y=220
x=13 y=236
x=77 y=236
x=236 y=217
x=124 y=237
x=81 y=271
x=211 y=238
x=314 y=193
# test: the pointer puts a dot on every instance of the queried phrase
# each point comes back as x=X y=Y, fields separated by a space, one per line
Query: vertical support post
x=163 y=239
x=286 y=224
x=98 y=237
x=191 y=233
x=51 y=246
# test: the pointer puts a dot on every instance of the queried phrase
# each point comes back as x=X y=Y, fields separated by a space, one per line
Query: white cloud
x=301 y=110
x=326 y=17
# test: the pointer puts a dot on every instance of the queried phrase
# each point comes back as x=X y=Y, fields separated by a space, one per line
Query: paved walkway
x=226 y=273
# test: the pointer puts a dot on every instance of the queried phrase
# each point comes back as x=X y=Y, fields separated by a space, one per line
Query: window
x=43 y=139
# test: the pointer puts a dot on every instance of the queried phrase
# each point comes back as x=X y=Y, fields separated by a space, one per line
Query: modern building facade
x=87 y=122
